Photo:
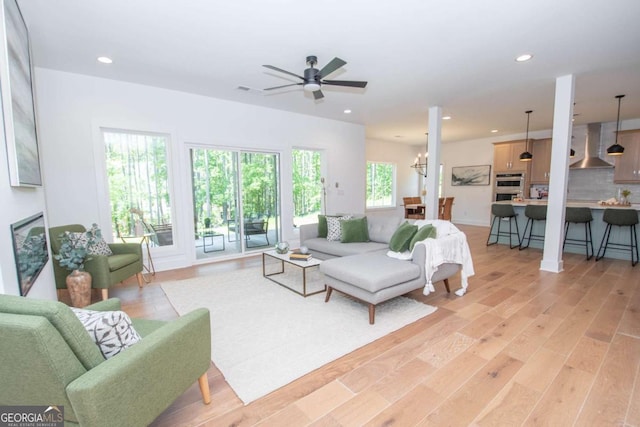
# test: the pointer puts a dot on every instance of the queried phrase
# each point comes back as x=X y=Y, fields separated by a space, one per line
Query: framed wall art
x=16 y=85
x=29 y=249
x=471 y=175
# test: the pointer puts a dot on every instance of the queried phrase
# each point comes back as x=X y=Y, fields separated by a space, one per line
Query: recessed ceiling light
x=446 y=118
x=347 y=111
x=525 y=57
x=105 y=59
x=494 y=130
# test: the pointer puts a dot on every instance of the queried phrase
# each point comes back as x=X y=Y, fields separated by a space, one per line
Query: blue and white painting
x=17 y=98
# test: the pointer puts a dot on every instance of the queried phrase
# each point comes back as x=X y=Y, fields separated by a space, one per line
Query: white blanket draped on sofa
x=449 y=246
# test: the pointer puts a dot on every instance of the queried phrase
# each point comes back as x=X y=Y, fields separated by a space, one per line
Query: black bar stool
x=621 y=218
x=533 y=213
x=579 y=216
x=501 y=212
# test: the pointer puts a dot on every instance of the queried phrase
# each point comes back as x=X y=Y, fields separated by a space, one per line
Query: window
x=440 y=182
x=307 y=186
x=381 y=185
x=137 y=176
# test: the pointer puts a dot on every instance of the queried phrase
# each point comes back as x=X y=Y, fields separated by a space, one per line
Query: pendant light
x=572 y=152
x=527 y=156
x=617 y=149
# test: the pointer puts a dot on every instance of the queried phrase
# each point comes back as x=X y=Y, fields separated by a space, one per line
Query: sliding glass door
x=236 y=201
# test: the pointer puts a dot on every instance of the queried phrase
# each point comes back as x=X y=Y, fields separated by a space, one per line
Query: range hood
x=592 y=150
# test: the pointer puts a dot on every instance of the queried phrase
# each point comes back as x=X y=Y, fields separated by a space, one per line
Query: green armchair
x=48 y=358
x=105 y=271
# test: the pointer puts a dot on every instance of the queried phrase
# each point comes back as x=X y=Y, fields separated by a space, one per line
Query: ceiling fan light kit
x=314 y=79
x=617 y=149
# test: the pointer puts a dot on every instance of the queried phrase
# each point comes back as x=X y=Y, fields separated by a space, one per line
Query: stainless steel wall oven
x=506 y=186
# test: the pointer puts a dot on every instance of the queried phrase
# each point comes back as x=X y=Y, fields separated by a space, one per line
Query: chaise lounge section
x=363 y=270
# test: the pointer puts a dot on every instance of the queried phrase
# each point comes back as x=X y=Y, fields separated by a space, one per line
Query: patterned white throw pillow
x=334 y=231
x=112 y=331
x=100 y=247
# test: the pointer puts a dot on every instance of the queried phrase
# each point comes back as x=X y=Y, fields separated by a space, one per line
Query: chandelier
x=418 y=165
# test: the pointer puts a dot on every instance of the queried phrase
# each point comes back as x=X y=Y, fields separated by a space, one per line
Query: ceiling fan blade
x=318 y=95
x=350 y=83
x=331 y=67
x=271 y=67
x=280 y=87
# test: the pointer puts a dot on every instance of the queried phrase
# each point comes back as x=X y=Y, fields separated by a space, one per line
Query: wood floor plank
x=478 y=327
x=479 y=390
x=497 y=297
x=289 y=416
x=510 y=408
x=395 y=385
x=454 y=374
x=633 y=414
x=441 y=351
x=605 y=324
x=561 y=403
x=609 y=398
x=588 y=355
x=355 y=412
x=324 y=400
x=630 y=322
x=409 y=410
x=540 y=370
x=533 y=336
x=571 y=329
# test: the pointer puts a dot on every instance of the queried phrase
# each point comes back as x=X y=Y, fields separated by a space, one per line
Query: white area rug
x=265 y=336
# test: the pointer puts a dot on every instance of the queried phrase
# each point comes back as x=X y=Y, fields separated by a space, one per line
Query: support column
x=433 y=162
x=559 y=177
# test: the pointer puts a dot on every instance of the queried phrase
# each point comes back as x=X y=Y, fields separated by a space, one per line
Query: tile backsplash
x=597 y=184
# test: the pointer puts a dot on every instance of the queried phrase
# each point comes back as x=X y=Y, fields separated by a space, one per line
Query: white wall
x=407 y=181
x=19 y=203
x=73 y=107
x=472 y=203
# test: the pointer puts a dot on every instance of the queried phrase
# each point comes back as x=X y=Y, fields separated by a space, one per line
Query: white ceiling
x=414 y=54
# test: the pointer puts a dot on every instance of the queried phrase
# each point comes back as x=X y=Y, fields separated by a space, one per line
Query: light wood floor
x=522 y=347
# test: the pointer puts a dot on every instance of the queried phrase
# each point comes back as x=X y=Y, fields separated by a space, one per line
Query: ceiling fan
x=314 y=79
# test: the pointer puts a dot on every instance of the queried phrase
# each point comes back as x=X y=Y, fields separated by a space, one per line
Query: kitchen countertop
x=571 y=203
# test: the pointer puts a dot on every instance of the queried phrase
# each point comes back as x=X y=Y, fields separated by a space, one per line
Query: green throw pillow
x=402 y=237
x=426 y=232
x=322 y=226
x=354 y=230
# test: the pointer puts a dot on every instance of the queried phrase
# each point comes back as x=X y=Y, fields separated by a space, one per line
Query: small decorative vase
x=282 y=247
x=79 y=286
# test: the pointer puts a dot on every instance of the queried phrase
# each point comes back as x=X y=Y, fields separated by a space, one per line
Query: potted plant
x=73 y=253
x=625 y=196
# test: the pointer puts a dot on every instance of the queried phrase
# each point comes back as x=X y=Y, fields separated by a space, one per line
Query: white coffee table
x=304 y=265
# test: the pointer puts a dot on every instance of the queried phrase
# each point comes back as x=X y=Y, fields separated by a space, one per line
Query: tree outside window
x=307 y=188
x=381 y=184
x=137 y=174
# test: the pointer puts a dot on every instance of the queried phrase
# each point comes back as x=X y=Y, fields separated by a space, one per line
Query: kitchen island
x=576 y=231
